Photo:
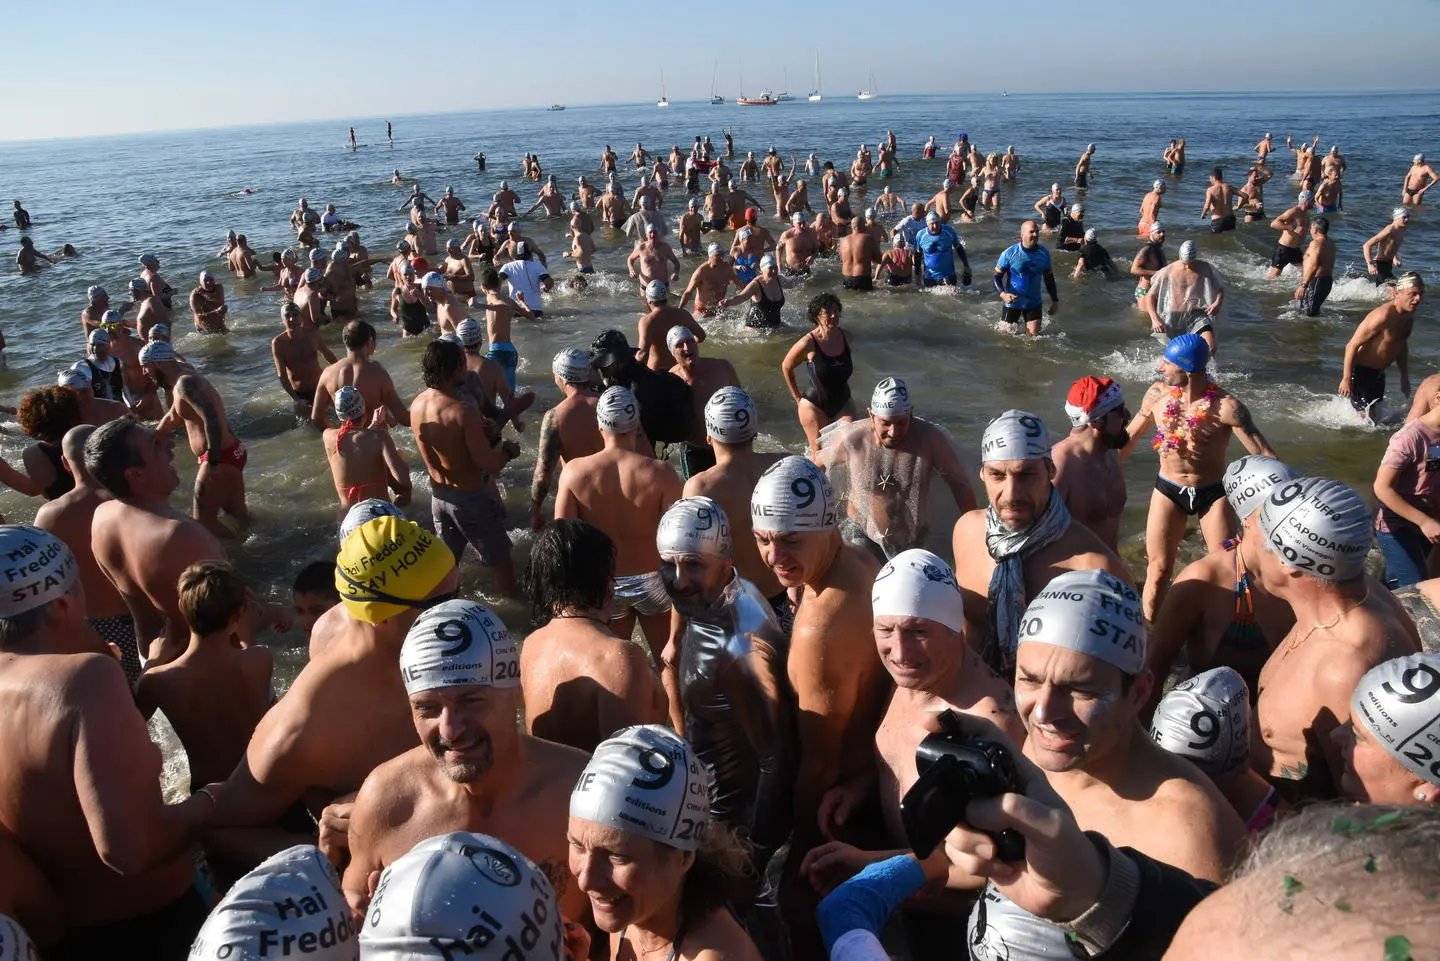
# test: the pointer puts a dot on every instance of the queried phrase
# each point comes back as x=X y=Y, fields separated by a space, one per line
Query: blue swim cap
x=1189 y=352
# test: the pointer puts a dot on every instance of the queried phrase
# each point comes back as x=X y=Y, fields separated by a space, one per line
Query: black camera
x=955 y=769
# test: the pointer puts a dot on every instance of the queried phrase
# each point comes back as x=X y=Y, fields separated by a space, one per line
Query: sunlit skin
x=630 y=880
x=1072 y=705
x=1372 y=773
x=890 y=432
x=309 y=607
x=695 y=579
x=917 y=652
x=469 y=728
x=796 y=556
x=1029 y=235
x=1018 y=490
x=1172 y=375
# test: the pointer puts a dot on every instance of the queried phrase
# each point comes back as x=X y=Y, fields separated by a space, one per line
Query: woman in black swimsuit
x=767 y=296
x=826 y=351
x=45 y=414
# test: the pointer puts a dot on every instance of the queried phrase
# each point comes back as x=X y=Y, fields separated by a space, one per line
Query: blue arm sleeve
x=867 y=899
x=1000 y=278
x=1050 y=287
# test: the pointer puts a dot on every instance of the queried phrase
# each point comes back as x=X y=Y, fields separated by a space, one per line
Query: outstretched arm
x=1236 y=415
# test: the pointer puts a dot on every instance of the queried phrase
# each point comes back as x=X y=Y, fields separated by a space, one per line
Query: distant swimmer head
x=1305 y=197
x=932 y=218
x=230 y=236
x=349 y=403
x=793 y=496
x=1156 y=227
x=1189 y=352
x=898 y=241
x=1188 y=250
x=452 y=244
x=1054 y=188
x=160 y=333
x=797 y=218
x=95 y=292
x=403 y=246
x=1091 y=398
x=112 y=319
x=206 y=278
x=677 y=335
x=1077 y=211
x=150 y=261
x=317 y=256
x=1318 y=526
x=571 y=366
x=657 y=291
x=576 y=206
x=314 y=276
x=1158 y=186
x=730 y=416
x=458 y=643
x=715 y=250
x=100 y=335
x=1419 y=158
x=504 y=185
x=1249 y=479
x=138 y=286
x=1399 y=213
x=450 y=191
x=618 y=412
x=1409 y=280
x=156 y=352
x=948 y=183
x=1091 y=234
x=1090 y=148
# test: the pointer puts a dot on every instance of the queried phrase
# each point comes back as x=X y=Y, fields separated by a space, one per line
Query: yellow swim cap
x=386 y=566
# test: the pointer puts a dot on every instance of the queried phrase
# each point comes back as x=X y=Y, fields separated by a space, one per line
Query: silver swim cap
x=793 y=495
x=730 y=416
x=694 y=525
x=917 y=583
x=1250 y=478
x=73 y=379
x=291 y=897
x=1188 y=250
x=1318 y=526
x=1158 y=185
x=458 y=642
x=1001 y=930
x=891 y=398
x=1015 y=435
x=1091 y=234
x=656 y=290
x=1207 y=721
x=38 y=568
x=646 y=781
x=96 y=291
x=1398 y=701
x=1092 y=612
x=349 y=403
x=618 y=411
x=156 y=352
x=367 y=510
x=678 y=333
x=470 y=332
x=1076 y=210
x=571 y=365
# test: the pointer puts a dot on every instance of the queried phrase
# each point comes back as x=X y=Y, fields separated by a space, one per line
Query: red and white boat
x=764 y=100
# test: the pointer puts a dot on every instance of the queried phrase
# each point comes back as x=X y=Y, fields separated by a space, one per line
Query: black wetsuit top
x=1097 y=257
x=830 y=378
x=64 y=482
x=765 y=313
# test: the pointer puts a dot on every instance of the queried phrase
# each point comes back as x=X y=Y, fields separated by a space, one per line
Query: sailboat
x=715 y=97
x=785 y=94
x=815 y=94
x=869 y=93
x=664 y=101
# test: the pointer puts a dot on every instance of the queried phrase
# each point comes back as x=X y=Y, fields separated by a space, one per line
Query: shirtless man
x=832 y=666
x=1217 y=613
x=70 y=517
x=1192 y=458
x=709 y=282
x=195 y=404
x=312 y=296
x=1381 y=339
x=1088 y=474
x=652 y=259
x=1294 y=225
x=717 y=209
x=1219 y=203
x=451 y=205
x=690 y=227
x=1382 y=251
x=364 y=461
x=612 y=208
x=1317 y=272
x=345 y=713
x=1264 y=148
x=797 y=247
x=463 y=464
x=859 y=253
x=705 y=375
x=654 y=327
x=1082 y=168
x=1418 y=179
x=148 y=309
x=80 y=776
x=150 y=273
x=207 y=304
x=882 y=468
x=580 y=682
x=1317 y=533
x=358 y=369
x=1006 y=553
x=296 y=351
x=458 y=272
x=27 y=259
x=551 y=198
x=1185 y=296
x=1330 y=194
x=624 y=493
x=1150 y=206
x=139 y=542
x=242 y=259
x=568 y=430
x=449 y=307
x=473 y=769
x=1250 y=198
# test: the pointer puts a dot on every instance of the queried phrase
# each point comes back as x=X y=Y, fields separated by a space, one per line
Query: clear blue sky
x=99 y=66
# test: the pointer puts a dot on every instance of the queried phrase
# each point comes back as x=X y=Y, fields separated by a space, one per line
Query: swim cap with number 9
x=646 y=781
x=694 y=525
x=1207 y=720
x=618 y=412
x=1398 y=701
x=1015 y=435
x=1250 y=478
x=793 y=495
x=730 y=416
x=1318 y=526
x=458 y=642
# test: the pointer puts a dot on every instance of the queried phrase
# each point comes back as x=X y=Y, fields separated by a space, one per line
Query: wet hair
x=69 y=251
x=719 y=878
x=48 y=412
x=823 y=302
x=109 y=453
x=490 y=279
x=357 y=334
x=317 y=577
x=1322 y=224
x=571 y=565
x=210 y=595
x=1217 y=173
x=20 y=626
x=442 y=360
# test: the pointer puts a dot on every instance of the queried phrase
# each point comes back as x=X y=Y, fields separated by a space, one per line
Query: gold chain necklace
x=1289 y=648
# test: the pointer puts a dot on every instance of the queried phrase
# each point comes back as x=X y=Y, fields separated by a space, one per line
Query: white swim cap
x=367 y=510
x=470 y=331
x=618 y=412
x=291 y=898
x=73 y=379
x=1250 y=478
x=206 y=275
x=37 y=566
x=313 y=276
x=463 y=895
x=1092 y=612
x=108 y=318
x=646 y=781
x=1076 y=210
x=349 y=403
x=433 y=279
x=451 y=338
x=1090 y=234
x=676 y=334
x=571 y=365
x=15 y=944
x=1399 y=212
x=1398 y=701
x=797 y=218
x=1207 y=721
x=1318 y=526
x=1001 y=930
x=458 y=642
x=158 y=331
x=1419 y=158
x=730 y=416
x=96 y=291
x=767 y=262
x=891 y=398
x=656 y=291
x=149 y=260
x=714 y=249
x=1054 y=187
x=1158 y=185
x=156 y=351
x=932 y=218
x=1015 y=435
x=317 y=255
x=1156 y=227
x=138 y=283
x=694 y=525
x=793 y=495
x=917 y=583
x=1188 y=250
x=1305 y=196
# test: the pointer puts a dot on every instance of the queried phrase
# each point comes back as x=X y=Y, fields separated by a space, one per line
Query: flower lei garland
x=1170 y=434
